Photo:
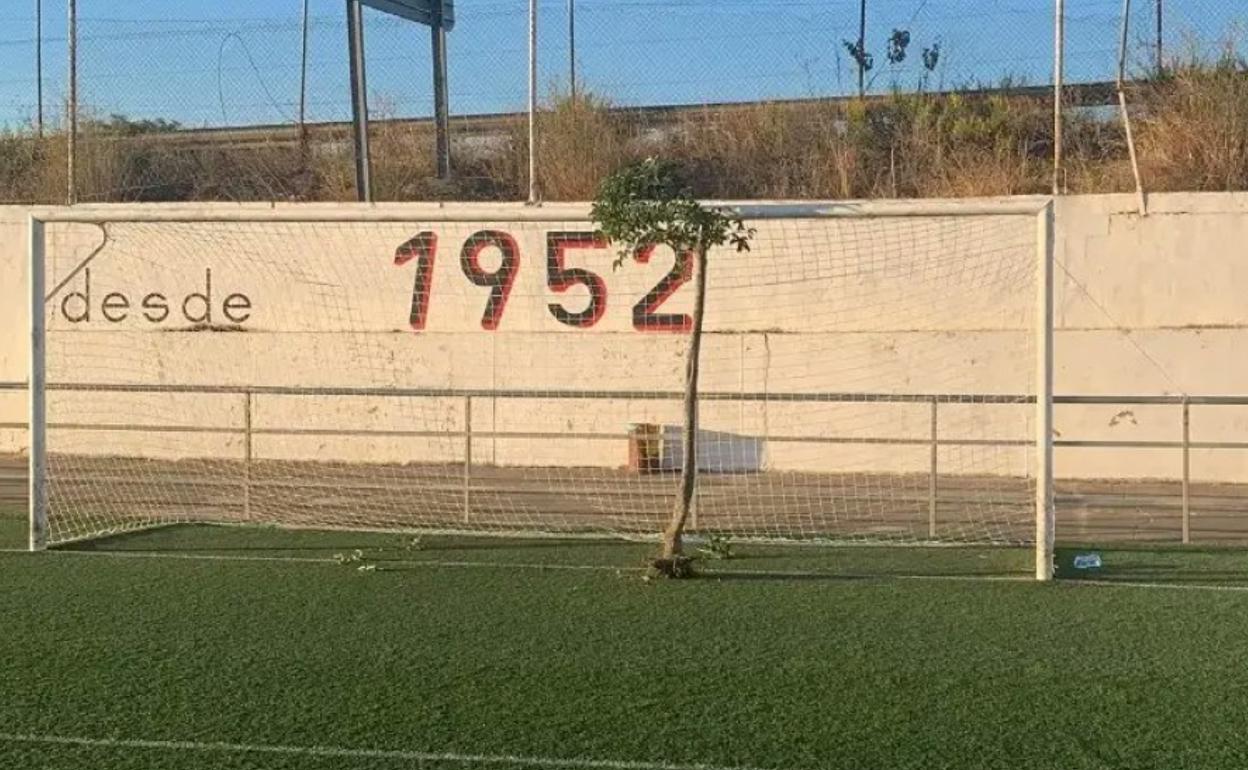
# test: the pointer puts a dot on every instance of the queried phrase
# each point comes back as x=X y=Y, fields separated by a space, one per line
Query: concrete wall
x=1145 y=306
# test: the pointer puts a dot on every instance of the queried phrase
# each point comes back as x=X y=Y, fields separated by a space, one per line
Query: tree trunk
x=672 y=537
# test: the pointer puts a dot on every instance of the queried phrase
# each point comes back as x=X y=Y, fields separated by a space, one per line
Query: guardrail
x=933 y=440
x=488 y=125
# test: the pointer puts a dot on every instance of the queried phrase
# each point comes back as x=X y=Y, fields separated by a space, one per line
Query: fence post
x=862 y=49
x=1187 y=471
x=247 y=454
x=71 y=155
x=39 y=67
x=467 y=459
x=932 y=485
x=534 y=192
x=441 y=106
x=1125 y=112
x=1059 y=78
x=1161 y=44
x=303 y=82
x=359 y=101
x=572 y=50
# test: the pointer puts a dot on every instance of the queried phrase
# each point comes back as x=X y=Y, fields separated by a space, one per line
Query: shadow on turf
x=765 y=576
x=1126 y=576
x=1162 y=564
x=782 y=575
x=1164 y=575
x=206 y=539
x=1134 y=563
x=112 y=546
x=639 y=573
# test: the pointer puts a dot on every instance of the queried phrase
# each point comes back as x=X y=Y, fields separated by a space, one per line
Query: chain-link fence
x=218 y=101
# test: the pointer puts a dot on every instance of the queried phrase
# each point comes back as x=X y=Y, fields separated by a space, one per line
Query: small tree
x=647 y=204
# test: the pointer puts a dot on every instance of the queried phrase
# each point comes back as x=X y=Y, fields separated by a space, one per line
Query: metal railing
x=934 y=440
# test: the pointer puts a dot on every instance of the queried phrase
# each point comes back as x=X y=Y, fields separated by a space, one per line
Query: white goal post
x=875 y=372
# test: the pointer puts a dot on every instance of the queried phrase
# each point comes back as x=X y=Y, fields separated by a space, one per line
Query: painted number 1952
x=423 y=249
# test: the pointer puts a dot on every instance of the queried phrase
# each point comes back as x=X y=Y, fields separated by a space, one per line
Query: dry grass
x=581 y=139
x=1192 y=131
x=26 y=169
x=917 y=146
x=766 y=151
x=1194 y=127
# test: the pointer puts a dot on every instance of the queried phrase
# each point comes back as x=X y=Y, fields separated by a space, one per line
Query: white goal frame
x=1042 y=210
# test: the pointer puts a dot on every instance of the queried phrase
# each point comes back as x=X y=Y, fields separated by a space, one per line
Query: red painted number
x=560 y=278
x=501 y=280
x=645 y=315
x=424 y=249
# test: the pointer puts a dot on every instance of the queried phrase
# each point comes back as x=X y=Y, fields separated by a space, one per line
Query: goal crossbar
x=404 y=213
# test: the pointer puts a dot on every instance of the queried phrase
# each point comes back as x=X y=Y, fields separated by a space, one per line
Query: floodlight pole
x=441 y=110
x=359 y=101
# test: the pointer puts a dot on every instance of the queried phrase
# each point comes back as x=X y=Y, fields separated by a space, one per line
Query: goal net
x=869 y=374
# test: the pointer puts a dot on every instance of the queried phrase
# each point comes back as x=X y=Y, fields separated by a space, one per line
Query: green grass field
x=201 y=647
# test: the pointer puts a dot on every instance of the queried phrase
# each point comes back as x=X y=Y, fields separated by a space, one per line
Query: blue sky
x=214 y=62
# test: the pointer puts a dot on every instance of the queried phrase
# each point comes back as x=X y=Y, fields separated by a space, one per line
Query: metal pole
x=1187 y=472
x=38 y=536
x=440 y=107
x=572 y=48
x=1045 y=511
x=72 y=107
x=1059 y=78
x=359 y=101
x=1161 y=47
x=932 y=485
x=39 y=67
x=303 y=79
x=1126 y=113
x=862 y=48
x=1124 y=32
x=467 y=459
x=247 y=453
x=533 y=193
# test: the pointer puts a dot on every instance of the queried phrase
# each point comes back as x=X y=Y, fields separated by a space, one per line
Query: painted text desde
x=91 y=304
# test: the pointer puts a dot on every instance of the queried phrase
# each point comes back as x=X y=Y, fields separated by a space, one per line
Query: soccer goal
x=872 y=373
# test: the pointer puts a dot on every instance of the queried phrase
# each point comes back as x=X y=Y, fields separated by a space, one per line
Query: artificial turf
x=783 y=658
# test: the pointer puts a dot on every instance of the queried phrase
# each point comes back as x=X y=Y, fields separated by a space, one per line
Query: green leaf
x=649 y=203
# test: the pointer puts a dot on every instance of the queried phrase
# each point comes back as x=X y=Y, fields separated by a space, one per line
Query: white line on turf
x=552 y=763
